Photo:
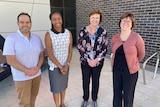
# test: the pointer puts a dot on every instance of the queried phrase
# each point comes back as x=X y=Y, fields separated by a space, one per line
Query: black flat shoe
x=94 y=104
x=84 y=104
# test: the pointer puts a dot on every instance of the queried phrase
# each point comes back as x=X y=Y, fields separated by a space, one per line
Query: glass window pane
x=56 y=3
x=70 y=18
x=73 y=31
x=57 y=9
x=69 y=3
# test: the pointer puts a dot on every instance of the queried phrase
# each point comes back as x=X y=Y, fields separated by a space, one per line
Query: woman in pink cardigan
x=128 y=49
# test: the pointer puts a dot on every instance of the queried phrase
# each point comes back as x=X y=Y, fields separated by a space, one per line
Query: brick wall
x=147 y=14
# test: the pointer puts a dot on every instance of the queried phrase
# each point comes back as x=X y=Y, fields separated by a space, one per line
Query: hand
x=90 y=62
x=64 y=69
x=93 y=62
x=37 y=69
x=31 y=71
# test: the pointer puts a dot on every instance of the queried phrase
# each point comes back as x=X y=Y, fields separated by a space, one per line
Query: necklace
x=92 y=38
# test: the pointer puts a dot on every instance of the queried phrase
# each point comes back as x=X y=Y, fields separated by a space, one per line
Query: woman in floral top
x=92 y=46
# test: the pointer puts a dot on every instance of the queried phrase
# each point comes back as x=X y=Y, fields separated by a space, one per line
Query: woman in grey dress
x=58 y=41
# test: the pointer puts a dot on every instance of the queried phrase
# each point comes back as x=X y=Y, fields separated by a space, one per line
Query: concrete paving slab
x=145 y=95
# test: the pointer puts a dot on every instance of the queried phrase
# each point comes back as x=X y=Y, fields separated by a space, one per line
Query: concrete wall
x=38 y=9
x=147 y=14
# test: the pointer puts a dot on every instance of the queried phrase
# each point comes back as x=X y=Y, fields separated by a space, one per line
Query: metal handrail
x=156 y=67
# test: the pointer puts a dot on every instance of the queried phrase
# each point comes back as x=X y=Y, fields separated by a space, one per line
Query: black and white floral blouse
x=100 y=45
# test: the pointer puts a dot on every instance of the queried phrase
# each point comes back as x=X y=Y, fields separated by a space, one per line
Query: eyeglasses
x=125 y=21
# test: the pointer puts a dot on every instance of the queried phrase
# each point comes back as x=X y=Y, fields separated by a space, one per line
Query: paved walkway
x=145 y=95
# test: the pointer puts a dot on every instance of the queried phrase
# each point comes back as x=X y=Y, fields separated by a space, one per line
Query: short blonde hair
x=96 y=11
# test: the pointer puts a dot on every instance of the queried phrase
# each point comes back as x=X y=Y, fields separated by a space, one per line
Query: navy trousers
x=87 y=73
x=124 y=85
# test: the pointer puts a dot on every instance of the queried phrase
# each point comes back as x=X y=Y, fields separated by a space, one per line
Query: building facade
x=147 y=14
x=38 y=9
x=75 y=14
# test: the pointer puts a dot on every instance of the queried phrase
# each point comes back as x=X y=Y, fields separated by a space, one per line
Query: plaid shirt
x=60 y=45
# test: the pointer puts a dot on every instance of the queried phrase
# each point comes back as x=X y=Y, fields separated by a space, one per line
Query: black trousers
x=87 y=73
x=124 y=85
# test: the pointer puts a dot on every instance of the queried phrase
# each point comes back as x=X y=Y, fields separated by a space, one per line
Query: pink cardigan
x=134 y=50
